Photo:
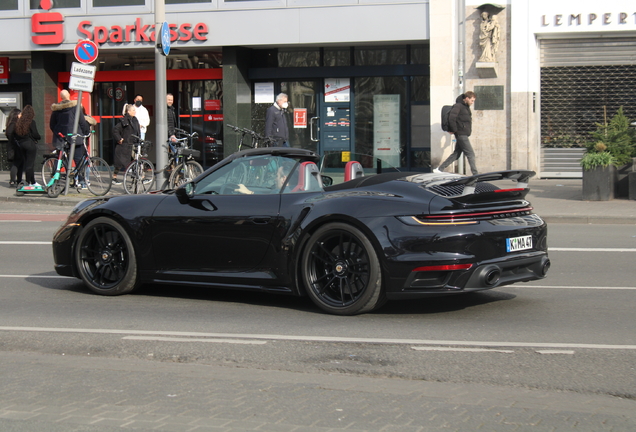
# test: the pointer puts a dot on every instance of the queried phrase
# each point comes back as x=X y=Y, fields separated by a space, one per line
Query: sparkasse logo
x=47 y=27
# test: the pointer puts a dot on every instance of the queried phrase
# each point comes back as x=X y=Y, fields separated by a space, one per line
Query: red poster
x=300 y=117
x=212 y=105
x=4 y=70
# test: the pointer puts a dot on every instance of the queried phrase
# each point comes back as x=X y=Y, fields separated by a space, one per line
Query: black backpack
x=446 y=109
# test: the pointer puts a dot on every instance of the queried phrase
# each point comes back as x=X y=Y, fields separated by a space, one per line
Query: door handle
x=313 y=127
x=260 y=219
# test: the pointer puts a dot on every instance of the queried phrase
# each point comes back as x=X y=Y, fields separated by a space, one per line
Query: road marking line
x=558 y=249
x=174 y=339
x=567 y=287
x=25 y=243
x=498 y=344
x=569 y=352
x=420 y=348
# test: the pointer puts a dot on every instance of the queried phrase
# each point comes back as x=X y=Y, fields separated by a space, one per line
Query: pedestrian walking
x=62 y=122
x=14 y=155
x=27 y=136
x=125 y=133
x=460 y=123
x=276 y=121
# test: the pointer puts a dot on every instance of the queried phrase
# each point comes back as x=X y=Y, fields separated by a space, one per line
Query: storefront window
x=337 y=57
x=379 y=56
x=107 y=3
x=8 y=5
x=186 y=1
x=298 y=58
x=367 y=108
x=58 y=4
x=420 y=54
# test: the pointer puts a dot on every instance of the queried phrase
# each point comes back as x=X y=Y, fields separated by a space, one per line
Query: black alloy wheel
x=105 y=258
x=341 y=271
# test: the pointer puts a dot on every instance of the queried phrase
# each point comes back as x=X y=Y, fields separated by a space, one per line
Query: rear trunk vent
x=455 y=190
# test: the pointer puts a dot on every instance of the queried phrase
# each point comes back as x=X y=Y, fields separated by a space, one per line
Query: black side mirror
x=185 y=193
x=326 y=180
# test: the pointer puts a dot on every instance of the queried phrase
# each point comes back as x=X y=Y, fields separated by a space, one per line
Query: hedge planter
x=599 y=183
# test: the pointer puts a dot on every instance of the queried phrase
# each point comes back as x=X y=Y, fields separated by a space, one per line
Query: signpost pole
x=161 y=127
x=71 y=153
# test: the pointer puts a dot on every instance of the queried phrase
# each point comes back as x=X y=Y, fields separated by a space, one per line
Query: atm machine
x=8 y=101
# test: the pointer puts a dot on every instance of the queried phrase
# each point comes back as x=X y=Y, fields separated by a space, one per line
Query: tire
x=341 y=271
x=181 y=175
x=48 y=169
x=98 y=177
x=56 y=188
x=105 y=258
x=139 y=177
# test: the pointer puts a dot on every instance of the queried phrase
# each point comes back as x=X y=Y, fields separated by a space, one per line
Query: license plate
x=518 y=243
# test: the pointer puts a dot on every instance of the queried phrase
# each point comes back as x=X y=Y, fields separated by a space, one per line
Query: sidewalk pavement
x=555 y=200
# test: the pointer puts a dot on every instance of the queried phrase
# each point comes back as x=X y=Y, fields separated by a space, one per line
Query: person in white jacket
x=142 y=114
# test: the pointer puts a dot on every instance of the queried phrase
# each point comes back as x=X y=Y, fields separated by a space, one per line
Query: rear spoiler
x=520 y=176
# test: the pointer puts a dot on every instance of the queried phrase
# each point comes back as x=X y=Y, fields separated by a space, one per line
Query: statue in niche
x=489 y=36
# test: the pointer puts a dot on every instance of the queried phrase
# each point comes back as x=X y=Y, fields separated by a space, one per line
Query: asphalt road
x=558 y=354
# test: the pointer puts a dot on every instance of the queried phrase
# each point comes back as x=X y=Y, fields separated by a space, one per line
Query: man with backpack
x=460 y=124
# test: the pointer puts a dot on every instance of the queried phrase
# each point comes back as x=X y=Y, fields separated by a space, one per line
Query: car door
x=218 y=230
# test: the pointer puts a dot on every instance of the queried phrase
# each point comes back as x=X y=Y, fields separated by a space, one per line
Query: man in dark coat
x=62 y=121
x=125 y=135
x=461 y=122
x=172 y=118
x=276 y=121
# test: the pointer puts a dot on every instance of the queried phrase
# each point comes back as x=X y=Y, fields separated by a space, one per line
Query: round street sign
x=86 y=51
x=165 y=38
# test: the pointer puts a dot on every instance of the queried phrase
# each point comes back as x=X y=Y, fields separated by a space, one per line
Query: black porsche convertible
x=265 y=219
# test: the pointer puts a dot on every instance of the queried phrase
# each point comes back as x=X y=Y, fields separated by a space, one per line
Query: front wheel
x=184 y=173
x=99 y=177
x=139 y=177
x=341 y=271
x=105 y=258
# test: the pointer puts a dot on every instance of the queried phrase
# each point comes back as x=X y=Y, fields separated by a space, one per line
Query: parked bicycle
x=256 y=140
x=93 y=173
x=181 y=164
x=140 y=174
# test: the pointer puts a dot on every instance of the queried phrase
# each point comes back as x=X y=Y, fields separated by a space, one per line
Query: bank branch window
x=106 y=3
x=58 y=4
x=8 y=5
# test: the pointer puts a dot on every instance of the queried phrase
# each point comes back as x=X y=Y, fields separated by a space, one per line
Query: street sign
x=82 y=70
x=164 y=42
x=86 y=51
x=80 y=84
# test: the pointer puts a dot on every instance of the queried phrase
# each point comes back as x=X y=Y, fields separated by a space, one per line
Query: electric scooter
x=29 y=189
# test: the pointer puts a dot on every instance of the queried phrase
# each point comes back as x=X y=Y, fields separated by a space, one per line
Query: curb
x=588 y=220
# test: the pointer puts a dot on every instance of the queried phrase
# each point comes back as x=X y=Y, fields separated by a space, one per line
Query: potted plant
x=612 y=147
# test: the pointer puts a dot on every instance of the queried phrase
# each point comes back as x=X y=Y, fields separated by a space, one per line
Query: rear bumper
x=482 y=276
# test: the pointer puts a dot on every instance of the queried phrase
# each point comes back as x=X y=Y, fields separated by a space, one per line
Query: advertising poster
x=386 y=128
x=337 y=90
x=264 y=92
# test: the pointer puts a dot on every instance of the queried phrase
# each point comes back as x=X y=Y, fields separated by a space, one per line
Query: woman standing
x=125 y=134
x=27 y=136
x=14 y=155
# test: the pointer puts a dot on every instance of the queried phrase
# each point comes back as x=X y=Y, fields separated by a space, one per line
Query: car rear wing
x=521 y=177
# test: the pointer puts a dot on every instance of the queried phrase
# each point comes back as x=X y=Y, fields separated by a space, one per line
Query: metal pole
x=161 y=122
x=461 y=48
x=71 y=154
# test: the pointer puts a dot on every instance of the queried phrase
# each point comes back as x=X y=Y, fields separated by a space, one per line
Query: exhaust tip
x=490 y=275
x=545 y=267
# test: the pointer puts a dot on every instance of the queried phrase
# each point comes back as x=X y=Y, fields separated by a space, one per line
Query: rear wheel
x=183 y=174
x=98 y=177
x=49 y=166
x=105 y=258
x=341 y=271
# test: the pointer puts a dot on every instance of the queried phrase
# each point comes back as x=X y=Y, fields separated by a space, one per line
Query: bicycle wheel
x=183 y=174
x=139 y=177
x=48 y=169
x=98 y=176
